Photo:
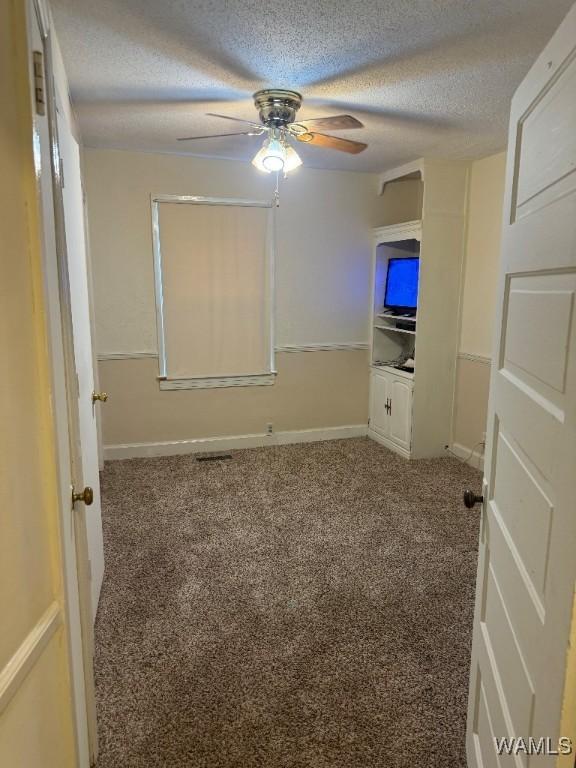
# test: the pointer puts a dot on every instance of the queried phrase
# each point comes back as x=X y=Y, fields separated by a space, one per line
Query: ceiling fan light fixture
x=271 y=156
x=276 y=155
x=293 y=160
x=257 y=159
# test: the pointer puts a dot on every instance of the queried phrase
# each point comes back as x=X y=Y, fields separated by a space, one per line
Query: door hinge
x=38 y=68
x=61 y=173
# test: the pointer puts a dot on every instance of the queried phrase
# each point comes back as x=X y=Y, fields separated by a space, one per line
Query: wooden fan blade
x=235 y=119
x=336 y=123
x=332 y=142
x=217 y=136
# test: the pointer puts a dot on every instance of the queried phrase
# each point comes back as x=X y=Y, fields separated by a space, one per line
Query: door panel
x=37 y=717
x=521 y=497
x=547 y=138
x=537 y=324
x=527 y=570
x=80 y=305
x=401 y=413
x=379 y=393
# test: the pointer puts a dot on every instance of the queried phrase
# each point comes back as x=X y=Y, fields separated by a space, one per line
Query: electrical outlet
x=269 y=428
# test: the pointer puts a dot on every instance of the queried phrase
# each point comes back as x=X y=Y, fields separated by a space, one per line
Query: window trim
x=209 y=382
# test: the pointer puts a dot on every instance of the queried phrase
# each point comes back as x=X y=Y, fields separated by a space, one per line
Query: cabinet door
x=400 y=418
x=379 y=392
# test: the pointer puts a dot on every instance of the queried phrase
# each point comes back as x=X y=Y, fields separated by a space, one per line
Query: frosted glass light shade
x=292 y=160
x=276 y=156
x=258 y=157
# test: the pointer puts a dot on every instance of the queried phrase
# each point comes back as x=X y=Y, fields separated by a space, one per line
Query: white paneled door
x=73 y=203
x=527 y=563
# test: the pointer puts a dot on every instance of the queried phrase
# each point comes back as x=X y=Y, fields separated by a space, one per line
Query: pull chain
x=277 y=191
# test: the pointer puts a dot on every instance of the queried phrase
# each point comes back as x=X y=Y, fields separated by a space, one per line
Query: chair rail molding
x=330 y=346
x=474 y=358
x=102 y=356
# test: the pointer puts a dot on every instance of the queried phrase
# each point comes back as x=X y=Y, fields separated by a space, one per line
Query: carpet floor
x=303 y=606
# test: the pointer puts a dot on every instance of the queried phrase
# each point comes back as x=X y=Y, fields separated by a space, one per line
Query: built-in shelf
x=392 y=369
x=407 y=318
x=411 y=413
x=396 y=330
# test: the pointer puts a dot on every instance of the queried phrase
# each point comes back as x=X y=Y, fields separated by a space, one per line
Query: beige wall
x=323 y=243
x=482 y=254
x=470 y=402
x=485 y=202
x=36 y=721
x=322 y=270
x=322 y=276
x=313 y=390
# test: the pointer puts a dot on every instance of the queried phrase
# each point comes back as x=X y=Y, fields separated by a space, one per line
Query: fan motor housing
x=277 y=107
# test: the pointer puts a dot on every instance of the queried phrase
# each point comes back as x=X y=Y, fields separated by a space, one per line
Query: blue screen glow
x=402 y=283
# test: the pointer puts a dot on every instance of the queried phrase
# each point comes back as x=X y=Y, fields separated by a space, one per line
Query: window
x=213 y=260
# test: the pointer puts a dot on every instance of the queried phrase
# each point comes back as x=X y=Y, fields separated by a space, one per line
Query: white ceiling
x=426 y=77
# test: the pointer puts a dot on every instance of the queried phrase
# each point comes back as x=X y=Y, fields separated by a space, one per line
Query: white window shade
x=213 y=263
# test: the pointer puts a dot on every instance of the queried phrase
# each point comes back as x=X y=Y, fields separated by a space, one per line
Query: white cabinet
x=400 y=412
x=379 y=397
x=391 y=409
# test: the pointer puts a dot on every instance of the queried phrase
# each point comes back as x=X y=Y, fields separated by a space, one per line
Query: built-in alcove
x=413 y=349
x=401 y=200
x=394 y=335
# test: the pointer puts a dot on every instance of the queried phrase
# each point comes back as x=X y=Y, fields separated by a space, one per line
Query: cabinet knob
x=471 y=499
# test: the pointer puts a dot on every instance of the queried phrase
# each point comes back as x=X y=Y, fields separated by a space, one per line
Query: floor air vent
x=216 y=456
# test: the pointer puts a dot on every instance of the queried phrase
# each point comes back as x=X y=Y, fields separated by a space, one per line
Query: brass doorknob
x=87 y=496
x=102 y=396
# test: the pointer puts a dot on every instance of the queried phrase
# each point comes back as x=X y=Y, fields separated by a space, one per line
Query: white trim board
x=337 y=346
x=407 y=230
x=17 y=667
x=178 y=447
x=474 y=459
x=474 y=358
x=102 y=356
x=330 y=347
x=411 y=169
x=215 y=382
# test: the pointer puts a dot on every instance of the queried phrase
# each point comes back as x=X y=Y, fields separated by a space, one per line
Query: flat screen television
x=401 y=294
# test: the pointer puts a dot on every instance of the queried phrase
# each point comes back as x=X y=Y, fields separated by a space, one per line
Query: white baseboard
x=475 y=459
x=324 y=433
x=177 y=447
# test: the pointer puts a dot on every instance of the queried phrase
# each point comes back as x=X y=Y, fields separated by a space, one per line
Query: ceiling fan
x=277 y=110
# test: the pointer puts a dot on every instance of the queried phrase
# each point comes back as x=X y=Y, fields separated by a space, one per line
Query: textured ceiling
x=426 y=77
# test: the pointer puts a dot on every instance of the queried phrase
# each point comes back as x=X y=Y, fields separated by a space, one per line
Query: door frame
x=74 y=542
